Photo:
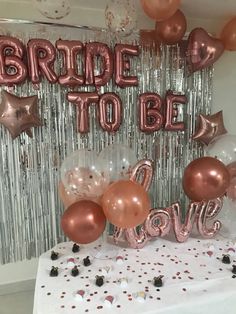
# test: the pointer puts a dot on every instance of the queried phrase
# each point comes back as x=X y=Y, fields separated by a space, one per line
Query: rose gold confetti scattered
x=209 y=253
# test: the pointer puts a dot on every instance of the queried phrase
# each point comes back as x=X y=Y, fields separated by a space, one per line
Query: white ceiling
x=209 y=9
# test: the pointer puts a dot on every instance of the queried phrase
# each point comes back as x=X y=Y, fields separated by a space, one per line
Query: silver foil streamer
x=30 y=209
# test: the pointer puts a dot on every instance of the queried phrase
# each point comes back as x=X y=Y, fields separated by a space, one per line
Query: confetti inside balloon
x=81 y=175
x=223 y=148
x=53 y=9
x=121 y=16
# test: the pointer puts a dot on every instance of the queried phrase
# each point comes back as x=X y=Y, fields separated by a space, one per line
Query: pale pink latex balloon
x=126 y=204
x=160 y=10
x=231 y=191
x=228 y=35
x=66 y=197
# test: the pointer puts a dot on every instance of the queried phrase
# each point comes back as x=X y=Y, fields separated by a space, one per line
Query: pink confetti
x=209 y=253
x=119 y=260
x=71 y=261
x=79 y=295
x=109 y=300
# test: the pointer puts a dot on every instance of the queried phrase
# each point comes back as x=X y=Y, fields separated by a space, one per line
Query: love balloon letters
x=36 y=61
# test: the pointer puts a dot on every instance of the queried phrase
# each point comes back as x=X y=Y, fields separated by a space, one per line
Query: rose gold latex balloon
x=172 y=30
x=126 y=204
x=205 y=178
x=83 y=222
x=228 y=35
x=149 y=38
x=160 y=10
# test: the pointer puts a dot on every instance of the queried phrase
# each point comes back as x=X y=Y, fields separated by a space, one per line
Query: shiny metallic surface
x=30 y=209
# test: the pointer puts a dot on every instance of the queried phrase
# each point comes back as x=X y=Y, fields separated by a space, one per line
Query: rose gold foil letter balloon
x=12 y=68
x=203 y=50
x=205 y=178
x=81 y=175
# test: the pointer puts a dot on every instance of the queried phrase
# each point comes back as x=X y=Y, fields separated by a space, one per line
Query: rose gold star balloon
x=209 y=127
x=19 y=114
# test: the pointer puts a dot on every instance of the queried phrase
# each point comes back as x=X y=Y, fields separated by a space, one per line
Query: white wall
x=17 y=272
x=224 y=93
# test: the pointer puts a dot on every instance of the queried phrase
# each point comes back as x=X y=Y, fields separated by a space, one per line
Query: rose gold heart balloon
x=203 y=50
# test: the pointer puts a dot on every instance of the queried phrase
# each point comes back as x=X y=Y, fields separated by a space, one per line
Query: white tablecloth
x=195 y=280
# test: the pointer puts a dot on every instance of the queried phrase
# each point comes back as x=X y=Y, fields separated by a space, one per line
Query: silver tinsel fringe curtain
x=30 y=209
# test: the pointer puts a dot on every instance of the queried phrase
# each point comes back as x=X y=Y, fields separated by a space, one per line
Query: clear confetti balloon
x=223 y=148
x=117 y=160
x=81 y=175
x=121 y=16
x=53 y=9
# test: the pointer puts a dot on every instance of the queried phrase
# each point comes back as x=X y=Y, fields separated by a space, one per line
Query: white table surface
x=195 y=280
